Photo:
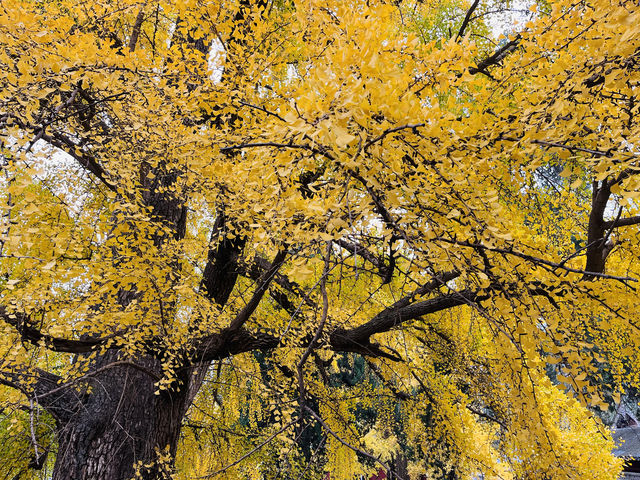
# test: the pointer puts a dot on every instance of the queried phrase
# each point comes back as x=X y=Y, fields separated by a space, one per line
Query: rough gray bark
x=119 y=424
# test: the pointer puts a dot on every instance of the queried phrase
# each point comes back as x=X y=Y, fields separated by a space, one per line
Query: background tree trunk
x=399 y=468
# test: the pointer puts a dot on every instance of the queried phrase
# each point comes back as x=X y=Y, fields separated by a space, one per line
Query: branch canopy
x=422 y=232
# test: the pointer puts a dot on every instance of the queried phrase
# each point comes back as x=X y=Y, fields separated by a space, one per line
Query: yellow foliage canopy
x=253 y=221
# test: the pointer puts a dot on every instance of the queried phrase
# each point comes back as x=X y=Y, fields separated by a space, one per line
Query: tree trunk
x=121 y=426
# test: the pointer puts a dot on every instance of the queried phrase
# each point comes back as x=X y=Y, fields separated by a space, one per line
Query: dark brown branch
x=263 y=285
x=487 y=416
x=571 y=148
x=380 y=208
x=22 y=323
x=303 y=146
x=62 y=142
x=389 y=132
x=87 y=162
x=137 y=26
x=81 y=110
x=388 y=273
x=596 y=230
x=258 y=265
x=43 y=387
x=262 y=109
x=598 y=78
x=361 y=251
x=255 y=269
x=429 y=287
x=358 y=339
x=226 y=343
x=467 y=19
x=536 y=260
x=231 y=342
x=7 y=379
x=496 y=57
x=622 y=222
x=221 y=271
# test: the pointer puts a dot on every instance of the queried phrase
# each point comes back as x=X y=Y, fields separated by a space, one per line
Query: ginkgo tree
x=288 y=239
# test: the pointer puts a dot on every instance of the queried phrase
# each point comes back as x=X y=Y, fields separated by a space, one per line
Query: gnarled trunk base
x=121 y=427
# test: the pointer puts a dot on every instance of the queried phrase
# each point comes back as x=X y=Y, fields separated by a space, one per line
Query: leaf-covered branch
x=28 y=332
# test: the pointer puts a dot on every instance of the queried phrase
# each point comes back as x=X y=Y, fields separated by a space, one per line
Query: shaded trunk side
x=121 y=426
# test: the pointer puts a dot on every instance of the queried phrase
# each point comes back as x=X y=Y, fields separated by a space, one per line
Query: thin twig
x=323 y=320
x=535 y=260
x=251 y=452
x=348 y=445
x=390 y=131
